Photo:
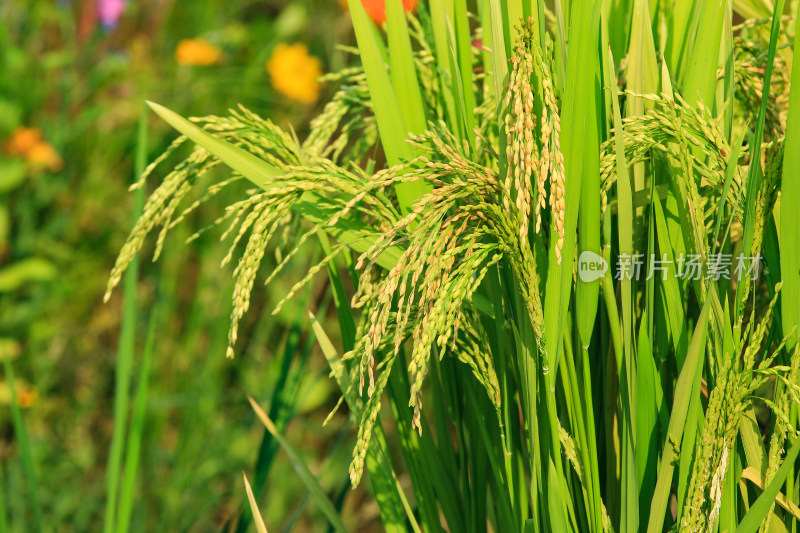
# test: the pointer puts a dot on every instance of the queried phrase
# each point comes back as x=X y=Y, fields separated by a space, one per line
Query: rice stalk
x=508 y=159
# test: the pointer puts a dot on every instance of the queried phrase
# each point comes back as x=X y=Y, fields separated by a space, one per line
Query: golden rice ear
x=521 y=149
x=527 y=155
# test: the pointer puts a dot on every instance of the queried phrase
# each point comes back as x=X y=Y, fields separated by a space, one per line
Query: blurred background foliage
x=73 y=76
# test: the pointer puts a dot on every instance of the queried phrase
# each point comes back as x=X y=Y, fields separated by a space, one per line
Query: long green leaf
x=678 y=24
x=577 y=104
x=671 y=291
x=700 y=71
x=588 y=293
x=302 y=470
x=391 y=126
x=692 y=367
x=755 y=174
x=443 y=62
x=759 y=510
x=392 y=502
x=629 y=516
x=243 y=162
x=646 y=421
x=463 y=49
x=642 y=76
x=133 y=445
x=125 y=353
x=404 y=73
x=790 y=214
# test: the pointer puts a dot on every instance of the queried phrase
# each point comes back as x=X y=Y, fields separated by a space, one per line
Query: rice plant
x=553 y=233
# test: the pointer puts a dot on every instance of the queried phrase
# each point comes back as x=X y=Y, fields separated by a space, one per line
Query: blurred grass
x=125 y=353
x=83 y=85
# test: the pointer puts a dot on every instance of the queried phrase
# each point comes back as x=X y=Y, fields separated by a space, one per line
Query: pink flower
x=110 y=11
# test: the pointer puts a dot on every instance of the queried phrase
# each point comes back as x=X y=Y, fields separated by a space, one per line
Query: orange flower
x=44 y=155
x=295 y=73
x=28 y=143
x=27 y=397
x=197 y=52
x=376 y=9
x=22 y=140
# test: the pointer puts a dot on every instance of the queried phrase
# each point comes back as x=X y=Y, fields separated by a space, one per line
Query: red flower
x=376 y=9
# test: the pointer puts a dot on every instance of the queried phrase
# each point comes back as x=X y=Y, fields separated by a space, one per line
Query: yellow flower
x=294 y=72
x=28 y=143
x=197 y=52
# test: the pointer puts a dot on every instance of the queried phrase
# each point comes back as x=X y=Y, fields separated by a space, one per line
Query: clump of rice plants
x=572 y=234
